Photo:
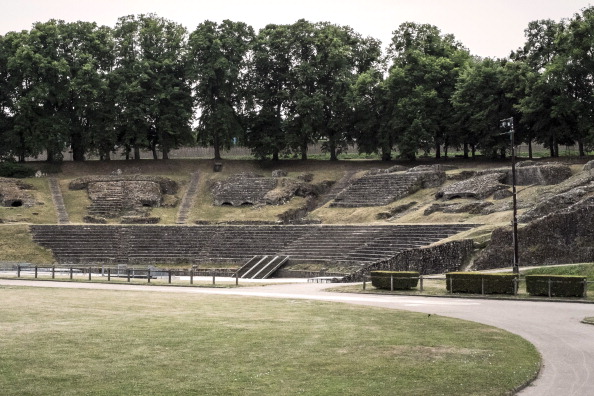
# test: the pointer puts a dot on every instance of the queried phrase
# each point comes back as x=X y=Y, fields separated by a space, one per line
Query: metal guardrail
x=110 y=272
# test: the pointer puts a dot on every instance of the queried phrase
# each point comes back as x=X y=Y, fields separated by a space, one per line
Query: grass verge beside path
x=60 y=341
x=436 y=286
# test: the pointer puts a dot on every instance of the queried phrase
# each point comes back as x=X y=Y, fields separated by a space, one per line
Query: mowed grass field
x=96 y=342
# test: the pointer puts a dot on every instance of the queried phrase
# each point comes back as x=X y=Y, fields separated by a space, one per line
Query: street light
x=508 y=123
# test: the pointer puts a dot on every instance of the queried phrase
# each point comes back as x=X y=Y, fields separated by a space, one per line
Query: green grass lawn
x=67 y=342
x=586 y=269
x=16 y=245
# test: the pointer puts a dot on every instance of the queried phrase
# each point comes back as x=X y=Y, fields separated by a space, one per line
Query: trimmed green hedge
x=402 y=279
x=13 y=169
x=560 y=285
x=473 y=282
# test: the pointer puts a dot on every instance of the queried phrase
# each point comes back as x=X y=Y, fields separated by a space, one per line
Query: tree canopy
x=149 y=84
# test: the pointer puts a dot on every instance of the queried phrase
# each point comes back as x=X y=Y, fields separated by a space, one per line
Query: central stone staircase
x=109 y=203
x=261 y=267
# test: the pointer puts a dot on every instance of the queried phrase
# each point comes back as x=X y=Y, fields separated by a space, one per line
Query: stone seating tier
x=148 y=244
x=376 y=190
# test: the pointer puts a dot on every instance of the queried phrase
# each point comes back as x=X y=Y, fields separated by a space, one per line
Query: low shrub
x=478 y=283
x=555 y=285
x=402 y=280
x=13 y=169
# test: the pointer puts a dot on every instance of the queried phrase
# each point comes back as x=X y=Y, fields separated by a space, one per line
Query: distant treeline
x=148 y=83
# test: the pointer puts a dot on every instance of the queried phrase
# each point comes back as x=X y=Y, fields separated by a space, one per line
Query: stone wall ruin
x=14 y=193
x=127 y=197
x=437 y=259
x=247 y=189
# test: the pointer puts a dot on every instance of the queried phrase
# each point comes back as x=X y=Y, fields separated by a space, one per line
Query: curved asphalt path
x=566 y=344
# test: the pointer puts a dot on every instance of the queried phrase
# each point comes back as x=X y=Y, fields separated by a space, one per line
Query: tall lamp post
x=508 y=123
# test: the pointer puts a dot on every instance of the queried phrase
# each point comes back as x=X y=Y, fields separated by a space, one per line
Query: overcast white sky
x=488 y=28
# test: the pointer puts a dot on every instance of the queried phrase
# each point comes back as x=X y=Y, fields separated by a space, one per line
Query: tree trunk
x=275 y=155
x=387 y=150
x=217 y=147
x=154 y=150
x=465 y=150
x=21 y=151
x=333 y=156
x=136 y=152
x=581 y=148
x=78 y=149
x=437 y=151
x=530 y=149
x=473 y=149
x=304 y=152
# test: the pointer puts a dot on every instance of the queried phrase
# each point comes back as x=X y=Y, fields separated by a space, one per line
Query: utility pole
x=508 y=123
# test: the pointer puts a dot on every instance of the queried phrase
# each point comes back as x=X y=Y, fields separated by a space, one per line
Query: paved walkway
x=58 y=201
x=566 y=345
x=188 y=199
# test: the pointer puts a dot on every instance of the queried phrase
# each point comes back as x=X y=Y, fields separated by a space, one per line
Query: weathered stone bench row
x=201 y=244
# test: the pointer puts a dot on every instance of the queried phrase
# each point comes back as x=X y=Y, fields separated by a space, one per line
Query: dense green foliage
x=556 y=285
x=149 y=84
x=11 y=169
x=480 y=283
x=397 y=280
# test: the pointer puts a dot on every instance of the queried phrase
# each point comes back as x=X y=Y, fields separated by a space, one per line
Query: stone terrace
x=377 y=190
x=142 y=245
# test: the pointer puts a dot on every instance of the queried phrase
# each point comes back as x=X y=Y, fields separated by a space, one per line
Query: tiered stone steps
x=391 y=242
x=376 y=190
x=109 y=203
x=58 y=201
x=149 y=244
x=81 y=244
x=336 y=188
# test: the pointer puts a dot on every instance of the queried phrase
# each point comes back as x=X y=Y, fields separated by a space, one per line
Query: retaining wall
x=446 y=257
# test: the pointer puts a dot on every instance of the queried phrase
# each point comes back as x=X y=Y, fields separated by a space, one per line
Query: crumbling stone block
x=279 y=173
x=13 y=193
x=479 y=187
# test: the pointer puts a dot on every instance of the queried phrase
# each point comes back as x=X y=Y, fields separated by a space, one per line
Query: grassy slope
x=16 y=245
x=203 y=210
x=573 y=269
x=42 y=212
x=58 y=341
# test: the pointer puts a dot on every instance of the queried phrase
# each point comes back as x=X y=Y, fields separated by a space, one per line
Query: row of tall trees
x=148 y=83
